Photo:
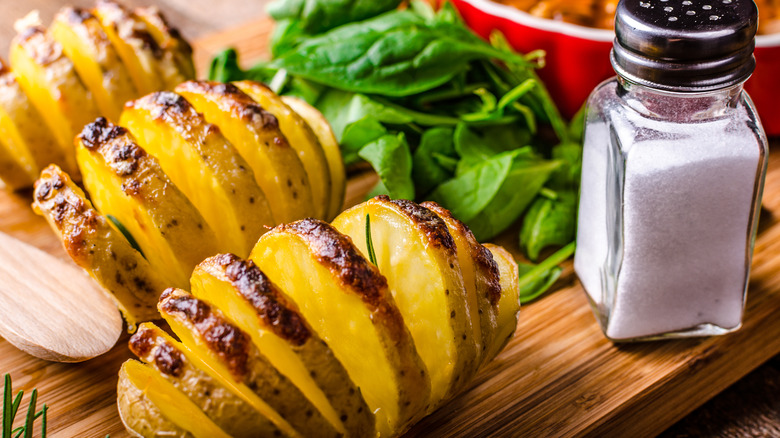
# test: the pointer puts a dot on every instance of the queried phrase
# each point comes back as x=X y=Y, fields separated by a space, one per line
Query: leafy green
x=431 y=159
x=549 y=222
x=392 y=160
x=359 y=134
x=314 y=16
x=398 y=53
x=535 y=280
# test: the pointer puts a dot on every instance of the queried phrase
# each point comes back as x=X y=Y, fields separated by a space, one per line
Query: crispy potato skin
x=204 y=165
x=50 y=80
x=227 y=410
x=255 y=133
x=318 y=248
x=139 y=415
x=509 y=304
x=481 y=278
x=417 y=254
x=96 y=60
x=277 y=314
x=97 y=247
x=129 y=184
x=245 y=362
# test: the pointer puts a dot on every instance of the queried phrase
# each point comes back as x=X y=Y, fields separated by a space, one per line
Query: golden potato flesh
x=24 y=135
x=256 y=134
x=97 y=62
x=206 y=331
x=151 y=406
x=509 y=304
x=258 y=307
x=190 y=376
x=480 y=277
x=417 y=254
x=346 y=301
x=50 y=80
x=319 y=124
x=175 y=63
x=128 y=184
x=301 y=138
x=98 y=248
x=134 y=44
x=204 y=165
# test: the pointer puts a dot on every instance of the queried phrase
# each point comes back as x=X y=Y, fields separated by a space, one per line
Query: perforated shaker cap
x=685 y=45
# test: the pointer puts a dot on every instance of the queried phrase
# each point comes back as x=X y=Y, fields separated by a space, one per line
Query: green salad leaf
x=549 y=222
x=392 y=160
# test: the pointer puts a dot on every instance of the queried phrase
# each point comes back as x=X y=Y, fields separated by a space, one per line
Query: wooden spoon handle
x=51 y=309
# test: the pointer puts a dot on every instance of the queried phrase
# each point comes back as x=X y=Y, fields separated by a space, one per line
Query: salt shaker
x=673 y=170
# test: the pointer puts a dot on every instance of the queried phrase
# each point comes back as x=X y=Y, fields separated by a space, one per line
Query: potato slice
x=127 y=183
x=135 y=46
x=97 y=62
x=480 y=277
x=175 y=64
x=301 y=138
x=330 y=145
x=256 y=134
x=217 y=341
x=98 y=248
x=151 y=406
x=509 y=304
x=23 y=133
x=49 y=78
x=204 y=165
x=416 y=253
x=346 y=301
x=276 y=327
x=190 y=376
x=13 y=174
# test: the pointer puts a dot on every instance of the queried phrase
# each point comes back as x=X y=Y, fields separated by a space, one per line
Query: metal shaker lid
x=685 y=45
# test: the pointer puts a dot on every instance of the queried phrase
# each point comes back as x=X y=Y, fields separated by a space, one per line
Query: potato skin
x=139 y=415
x=509 y=303
x=227 y=410
x=97 y=247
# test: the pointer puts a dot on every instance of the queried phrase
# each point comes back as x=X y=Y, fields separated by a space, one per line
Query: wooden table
x=751 y=407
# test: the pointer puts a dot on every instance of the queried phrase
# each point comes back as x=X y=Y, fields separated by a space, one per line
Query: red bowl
x=578 y=56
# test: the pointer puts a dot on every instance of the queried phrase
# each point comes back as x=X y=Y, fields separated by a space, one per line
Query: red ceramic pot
x=578 y=56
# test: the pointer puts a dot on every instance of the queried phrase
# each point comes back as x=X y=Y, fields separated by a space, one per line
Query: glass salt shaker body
x=673 y=170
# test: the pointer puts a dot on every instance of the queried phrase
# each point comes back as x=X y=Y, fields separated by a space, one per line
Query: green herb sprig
x=370 y=241
x=11 y=407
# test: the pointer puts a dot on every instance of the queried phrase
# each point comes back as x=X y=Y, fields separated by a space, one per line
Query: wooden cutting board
x=558 y=377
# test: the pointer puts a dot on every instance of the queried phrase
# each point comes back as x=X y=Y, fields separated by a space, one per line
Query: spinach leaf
x=224 y=67
x=319 y=16
x=357 y=135
x=428 y=171
x=568 y=176
x=342 y=108
x=395 y=54
x=549 y=222
x=392 y=160
x=535 y=280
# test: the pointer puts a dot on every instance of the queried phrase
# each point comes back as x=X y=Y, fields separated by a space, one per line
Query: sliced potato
x=188 y=374
x=480 y=277
x=128 y=184
x=204 y=165
x=175 y=64
x=417 y=254
x=13 y=174
x=151 y=406
x=98 y=248
x=97 y=62
x=211 y=336
x=256 y=134
x=134 y=44
x=301 y=138
x=50 y=80
x=319 y=124
x=509 y=304
x=258 y=307
x=346 y=301
x=23 y=133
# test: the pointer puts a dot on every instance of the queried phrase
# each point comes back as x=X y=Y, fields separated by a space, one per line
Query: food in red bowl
x=578 y=56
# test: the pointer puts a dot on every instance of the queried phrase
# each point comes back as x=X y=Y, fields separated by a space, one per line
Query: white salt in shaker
x=673 y=169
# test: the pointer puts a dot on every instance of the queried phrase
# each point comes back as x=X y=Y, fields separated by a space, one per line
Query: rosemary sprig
x=10 y=408
x=369 y=241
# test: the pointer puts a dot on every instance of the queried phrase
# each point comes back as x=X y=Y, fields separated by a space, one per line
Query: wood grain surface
x=558 y=377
